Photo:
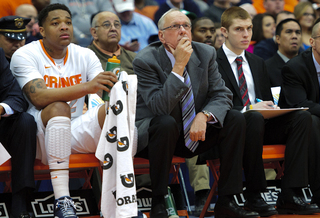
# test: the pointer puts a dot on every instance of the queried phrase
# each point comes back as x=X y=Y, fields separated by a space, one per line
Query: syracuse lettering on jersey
x=61 y=82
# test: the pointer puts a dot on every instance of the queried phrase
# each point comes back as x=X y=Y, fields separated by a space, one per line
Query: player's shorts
x=85 y=131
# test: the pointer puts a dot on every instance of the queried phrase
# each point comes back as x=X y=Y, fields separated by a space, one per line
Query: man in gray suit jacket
x=160 y=68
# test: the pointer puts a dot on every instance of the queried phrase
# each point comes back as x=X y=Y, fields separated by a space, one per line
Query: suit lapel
x=195 y=72
x=225 y=67
x=254 y=68
x=165 y=62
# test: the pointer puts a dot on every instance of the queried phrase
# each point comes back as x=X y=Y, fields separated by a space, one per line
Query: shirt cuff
x=214 y=119
x=7 y=109
x=179 y=77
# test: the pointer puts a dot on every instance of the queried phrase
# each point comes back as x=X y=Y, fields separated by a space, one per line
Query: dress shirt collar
x=284 y=58
x=231 y=56
x=116 y=53
x=316 y=63
x=171 y=57
x=172 y=6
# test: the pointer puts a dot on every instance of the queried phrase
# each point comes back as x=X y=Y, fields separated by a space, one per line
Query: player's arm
x=38 y=94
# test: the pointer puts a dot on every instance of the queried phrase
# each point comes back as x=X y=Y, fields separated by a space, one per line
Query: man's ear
x=161 y=37
x=93 y=32
x=42 y=32
x=278 y=39
x=224 y=31
x=312 y=42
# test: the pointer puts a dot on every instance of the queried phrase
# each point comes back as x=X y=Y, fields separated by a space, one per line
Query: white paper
x=4 y=155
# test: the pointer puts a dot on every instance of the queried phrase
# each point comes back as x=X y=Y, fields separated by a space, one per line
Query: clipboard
x=271 y=113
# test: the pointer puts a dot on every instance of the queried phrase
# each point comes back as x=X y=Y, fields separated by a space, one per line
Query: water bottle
x=113 y=65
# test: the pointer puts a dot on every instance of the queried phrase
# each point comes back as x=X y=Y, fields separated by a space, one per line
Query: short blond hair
x=233 y=13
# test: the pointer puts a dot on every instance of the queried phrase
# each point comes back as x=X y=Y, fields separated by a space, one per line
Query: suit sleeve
x=219 y=98
x=159 y=93
x=11 y=93
x=294 y=92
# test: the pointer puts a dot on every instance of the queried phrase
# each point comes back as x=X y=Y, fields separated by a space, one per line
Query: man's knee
x=235 y=117
x=26 y=121
x=165 y=123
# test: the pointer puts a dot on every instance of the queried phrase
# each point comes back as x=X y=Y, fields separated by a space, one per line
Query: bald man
x=106 y=33
x=32 y=28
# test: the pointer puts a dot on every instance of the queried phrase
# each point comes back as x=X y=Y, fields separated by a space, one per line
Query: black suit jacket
x=10 y=92
x=259 y=74
x=274 y=67
x=300 y=86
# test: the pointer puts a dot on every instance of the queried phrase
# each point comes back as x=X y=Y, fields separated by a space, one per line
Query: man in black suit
x=291 y=129
x=300 y=88
x=288 y=38
x=166 y=70
x=18 y=136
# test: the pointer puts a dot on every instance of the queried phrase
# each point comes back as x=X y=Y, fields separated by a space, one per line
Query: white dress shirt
x=231 y=56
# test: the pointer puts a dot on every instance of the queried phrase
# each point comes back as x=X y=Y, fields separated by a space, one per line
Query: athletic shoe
x=64 y=208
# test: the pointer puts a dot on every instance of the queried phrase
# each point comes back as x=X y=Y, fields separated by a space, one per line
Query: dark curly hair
x=52 y=7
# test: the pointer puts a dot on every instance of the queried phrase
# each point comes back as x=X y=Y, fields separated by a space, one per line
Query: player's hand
x=182 y=54
x=198 y=127
x=100 y=81
x=264 y=105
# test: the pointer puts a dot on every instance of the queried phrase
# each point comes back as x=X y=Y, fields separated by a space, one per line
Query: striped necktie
x=242 y=82
x=188 y=113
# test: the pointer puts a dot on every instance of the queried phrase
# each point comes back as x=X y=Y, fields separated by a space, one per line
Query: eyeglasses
x=107 y=25
x=177 y=27
x=315 y=37
x=309 y=14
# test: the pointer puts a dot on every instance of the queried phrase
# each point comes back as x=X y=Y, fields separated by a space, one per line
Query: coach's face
x=239 y=34
x=172 y=36
x=57 y=29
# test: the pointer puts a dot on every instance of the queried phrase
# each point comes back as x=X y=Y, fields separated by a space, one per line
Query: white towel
x=116 y=148
x=4 y=155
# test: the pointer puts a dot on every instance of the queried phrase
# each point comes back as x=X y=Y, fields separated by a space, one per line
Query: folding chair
x=141 y=166
x=80 y=166
x=272 y=155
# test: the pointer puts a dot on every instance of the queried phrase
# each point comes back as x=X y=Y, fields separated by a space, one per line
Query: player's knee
x=59 y=109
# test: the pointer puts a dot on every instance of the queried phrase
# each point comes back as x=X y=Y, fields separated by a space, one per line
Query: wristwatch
x=207 y=113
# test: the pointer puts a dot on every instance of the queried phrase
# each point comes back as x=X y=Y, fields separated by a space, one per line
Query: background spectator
x=81 y=12
x=8 y=7
x=40 y=4
x=215 y=11
x=106 y=33
x=146 y=7
x=188 y=5
x=250 y=9
x=263 y=28
x=29 y=11
x=220 y=39
x=306 y=16
x=284 y=15
x=288 y=38
x=260 y=5
x=137 y=31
